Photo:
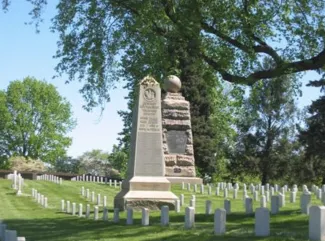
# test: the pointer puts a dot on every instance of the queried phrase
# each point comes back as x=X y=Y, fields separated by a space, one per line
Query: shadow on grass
x=239 y=227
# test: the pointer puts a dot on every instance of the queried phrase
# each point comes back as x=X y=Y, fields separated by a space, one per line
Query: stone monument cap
x=172 y=84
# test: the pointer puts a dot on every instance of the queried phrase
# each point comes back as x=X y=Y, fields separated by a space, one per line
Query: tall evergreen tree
x=313 y=139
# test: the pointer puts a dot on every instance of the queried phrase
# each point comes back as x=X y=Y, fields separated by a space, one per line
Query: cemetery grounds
x=31 y=220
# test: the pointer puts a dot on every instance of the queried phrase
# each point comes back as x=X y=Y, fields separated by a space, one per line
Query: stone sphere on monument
x=172 y=84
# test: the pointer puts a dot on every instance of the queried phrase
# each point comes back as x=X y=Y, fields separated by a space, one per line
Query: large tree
x=266 y=146
x=34 y=121
x=229 y=36
x=197 y=40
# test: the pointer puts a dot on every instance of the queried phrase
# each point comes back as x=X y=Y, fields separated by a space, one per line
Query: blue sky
x=25 y=53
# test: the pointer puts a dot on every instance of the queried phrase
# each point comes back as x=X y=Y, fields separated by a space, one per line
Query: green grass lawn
x=23 y=214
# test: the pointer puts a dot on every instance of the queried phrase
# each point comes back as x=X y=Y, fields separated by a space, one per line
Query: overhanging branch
x=313 y=63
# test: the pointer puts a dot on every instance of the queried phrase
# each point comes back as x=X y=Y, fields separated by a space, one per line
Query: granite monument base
x=180 y=180
x=145 y=192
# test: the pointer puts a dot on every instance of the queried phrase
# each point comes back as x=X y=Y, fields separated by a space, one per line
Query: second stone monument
x=146 y=184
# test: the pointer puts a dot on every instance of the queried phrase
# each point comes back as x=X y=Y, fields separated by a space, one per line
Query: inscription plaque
x=176 y=141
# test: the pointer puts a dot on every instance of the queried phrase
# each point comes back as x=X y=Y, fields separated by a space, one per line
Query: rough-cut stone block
x=189 y=137
x=179 y=104
x=173 y=96
x=183 y=160
x=176 y=124
x=189 y=150
x=165 y=148
x=170 y=160
x=176 y=114
x=188 y=171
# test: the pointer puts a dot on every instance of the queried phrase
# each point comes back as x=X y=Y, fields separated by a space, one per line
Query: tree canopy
x=34 y=121
x=229 y=36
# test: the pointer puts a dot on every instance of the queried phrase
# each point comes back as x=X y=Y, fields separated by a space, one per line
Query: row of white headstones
x=17 y=182
x=50 y=178
x=39 y=198
x=9 y=235
x=103 y=180
x=262 y=217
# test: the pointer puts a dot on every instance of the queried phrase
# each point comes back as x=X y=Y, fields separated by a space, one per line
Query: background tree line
x=242 y=84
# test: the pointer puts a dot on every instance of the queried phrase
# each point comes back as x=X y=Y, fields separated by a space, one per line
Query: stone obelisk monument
x=146 y=184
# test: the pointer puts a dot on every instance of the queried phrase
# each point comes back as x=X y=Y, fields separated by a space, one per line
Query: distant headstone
x=116 y=217
x=87 y=211
x=181 y=199
x=305 y=200
x=129 y=216
x=105 y=214
x=249 y=205
x=96 y=213
x=263 y=201
x=164 y=216
x=208 y=207
x=177 y=206
x=275 y=204
x=227 y=206
x=189 y=217
x=145 y=217
x=146 y=166
x=293 y=195
x=80 y=210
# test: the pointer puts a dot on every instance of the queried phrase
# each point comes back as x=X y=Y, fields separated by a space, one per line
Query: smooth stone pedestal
x=145 y=192
x=192 y=180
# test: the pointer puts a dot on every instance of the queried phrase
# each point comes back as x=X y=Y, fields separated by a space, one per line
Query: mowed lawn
x=34 y=222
